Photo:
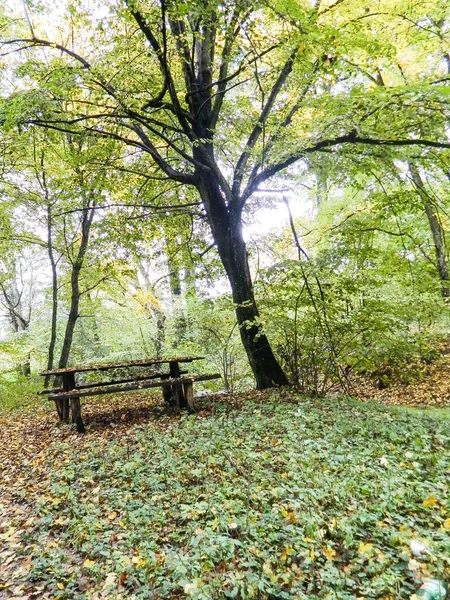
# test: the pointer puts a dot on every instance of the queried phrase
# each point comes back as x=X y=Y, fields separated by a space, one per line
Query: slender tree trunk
x=51 y=346
x=160 y=340
x=72 y=318
x=19 y=323
x=156 y=310
x=227 y=231
x=176 y=297
x=436 y=230
x=321 y=187
x=87 y=217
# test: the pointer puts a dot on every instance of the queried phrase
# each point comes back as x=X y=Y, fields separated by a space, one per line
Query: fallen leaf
x=430 y=501
x=329 y=553
x=366 y=549
x=88 y=563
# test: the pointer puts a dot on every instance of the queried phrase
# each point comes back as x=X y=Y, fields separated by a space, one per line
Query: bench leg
x=76 y=415
x=167 y=392
x=176 y=397
x=177 y=389
x=65 y=410
x=188 y=388
x=59 y=409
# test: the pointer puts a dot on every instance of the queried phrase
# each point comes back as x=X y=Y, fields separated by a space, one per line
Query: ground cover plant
x=277 y=497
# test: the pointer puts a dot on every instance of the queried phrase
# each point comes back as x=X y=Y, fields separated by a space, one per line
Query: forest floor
x=265 y=495
x=418 y=384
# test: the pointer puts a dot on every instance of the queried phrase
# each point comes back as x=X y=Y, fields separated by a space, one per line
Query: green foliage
x=17 y=392
x=212 y=332
x=288 y=499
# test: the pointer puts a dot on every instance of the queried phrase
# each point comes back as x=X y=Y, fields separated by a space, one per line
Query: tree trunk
x=87 y=217
x=160 y=340
x=436 y=230
x=72 y=318
x=321 y=187
x=227 y=232
x=19 y=322
x=51 y=346
x=178 y=314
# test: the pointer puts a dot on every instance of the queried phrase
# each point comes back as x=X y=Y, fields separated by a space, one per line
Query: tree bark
x=52 y=343
x=178 y=313
x=436 y=231
x=87 y=217
x=227 y=230
x=19 y=322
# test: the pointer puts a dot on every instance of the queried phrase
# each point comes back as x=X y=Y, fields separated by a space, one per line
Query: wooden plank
x=128 y=388
x=134 y=363
x=83 y=386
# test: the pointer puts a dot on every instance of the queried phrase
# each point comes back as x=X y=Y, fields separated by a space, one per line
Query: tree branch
x=258 y=128
x=350 y=138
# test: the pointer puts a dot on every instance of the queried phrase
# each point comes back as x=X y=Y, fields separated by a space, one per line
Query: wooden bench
x=177 y=386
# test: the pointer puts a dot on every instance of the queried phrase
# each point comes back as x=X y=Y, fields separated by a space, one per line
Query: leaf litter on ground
x=265 y=495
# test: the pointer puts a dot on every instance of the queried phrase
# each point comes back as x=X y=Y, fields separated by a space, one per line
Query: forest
x=255 y=195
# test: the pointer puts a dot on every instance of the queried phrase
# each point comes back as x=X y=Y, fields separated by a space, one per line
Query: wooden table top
x=145 y=362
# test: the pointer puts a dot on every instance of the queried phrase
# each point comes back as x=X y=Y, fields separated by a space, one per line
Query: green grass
x=286 y=499
x=17 y=392
x=440 y=413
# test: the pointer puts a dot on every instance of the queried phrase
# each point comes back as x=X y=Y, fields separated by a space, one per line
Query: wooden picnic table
x=177 y=387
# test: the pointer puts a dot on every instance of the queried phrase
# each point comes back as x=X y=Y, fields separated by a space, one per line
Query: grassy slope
x=282 y=498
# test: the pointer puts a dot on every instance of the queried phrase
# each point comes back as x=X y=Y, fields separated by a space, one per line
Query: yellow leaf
x=112 y=515
x=312 y=555
x=365 y=548
x=430 y=501
x=122 y=524
x=88 y=563
x=289 y=516
x=329 y=553
x=60 y=586
x=446 y=524
x=287 y=551
x=138 y=561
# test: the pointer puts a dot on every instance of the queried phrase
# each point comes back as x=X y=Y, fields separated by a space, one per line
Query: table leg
x=167 y=392
x=180 y=400
x=76 y=415
x=189 y=395
x=68 y=385
x=68 y=381
x=59 y=409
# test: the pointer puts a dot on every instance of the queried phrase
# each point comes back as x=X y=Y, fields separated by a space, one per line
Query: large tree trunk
x=227 y=231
